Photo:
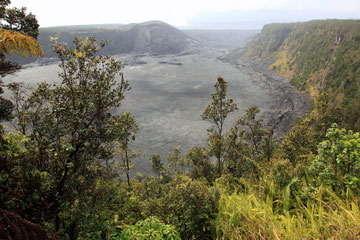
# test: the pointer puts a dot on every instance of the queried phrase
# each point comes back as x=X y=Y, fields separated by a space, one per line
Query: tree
x=200 y=165
x=302 y=140
x=15 y=19
x=157 y=165
x=190 y=206
x=18 y=34
x=176 y=162
x=128 y=131
x=73 y=129
x=338 y=160
x=216 y=113
x=258 y=138
x=248 y=144
x=6 y=107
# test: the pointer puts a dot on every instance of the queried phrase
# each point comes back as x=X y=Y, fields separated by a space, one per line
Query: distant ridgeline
x=317 y=56
x=222 y=38
x=153 y=37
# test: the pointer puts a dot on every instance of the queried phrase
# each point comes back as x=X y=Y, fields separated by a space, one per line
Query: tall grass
x=255 y=215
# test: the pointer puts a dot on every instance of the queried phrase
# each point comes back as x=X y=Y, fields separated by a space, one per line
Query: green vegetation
x=150 y=228
x=60 y=168
x=18 y=35
x=255 y=214
x=216 y=113
x=337 y=162
x=317 y=56
x=67 y=131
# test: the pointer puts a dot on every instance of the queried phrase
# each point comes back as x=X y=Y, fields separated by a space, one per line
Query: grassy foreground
x=254 y=215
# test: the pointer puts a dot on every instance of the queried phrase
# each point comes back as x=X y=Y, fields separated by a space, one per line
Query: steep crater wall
x=316 y=56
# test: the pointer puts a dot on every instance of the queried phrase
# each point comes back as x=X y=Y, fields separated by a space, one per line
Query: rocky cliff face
x=317 y=56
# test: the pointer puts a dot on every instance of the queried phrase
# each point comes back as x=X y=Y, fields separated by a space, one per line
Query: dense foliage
x=148 y=229
x=67 y=166
x=18 y=33
x=65 y=132
x=317 y=56
x=256 y=214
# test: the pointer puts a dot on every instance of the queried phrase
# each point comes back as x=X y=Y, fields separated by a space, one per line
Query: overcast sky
x=188 y=13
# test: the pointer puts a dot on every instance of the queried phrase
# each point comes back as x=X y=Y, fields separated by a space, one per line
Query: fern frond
x=13 y=43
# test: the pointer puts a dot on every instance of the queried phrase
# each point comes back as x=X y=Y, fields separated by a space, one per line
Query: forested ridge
x=64 y=171
x=319 y=56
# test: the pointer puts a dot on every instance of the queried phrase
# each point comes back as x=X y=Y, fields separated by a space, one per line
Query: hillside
x=317 y=56
x=178 y=157
x=154 y=37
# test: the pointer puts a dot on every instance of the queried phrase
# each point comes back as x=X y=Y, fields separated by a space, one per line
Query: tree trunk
x=127 y=167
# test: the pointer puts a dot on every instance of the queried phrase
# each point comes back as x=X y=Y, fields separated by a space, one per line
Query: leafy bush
x=148 y=229
x=190 y=206
x=338 y=161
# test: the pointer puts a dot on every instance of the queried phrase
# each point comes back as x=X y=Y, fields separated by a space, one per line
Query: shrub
x=148 y=229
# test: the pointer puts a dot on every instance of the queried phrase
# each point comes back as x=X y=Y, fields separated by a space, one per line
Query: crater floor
x=170 y=92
